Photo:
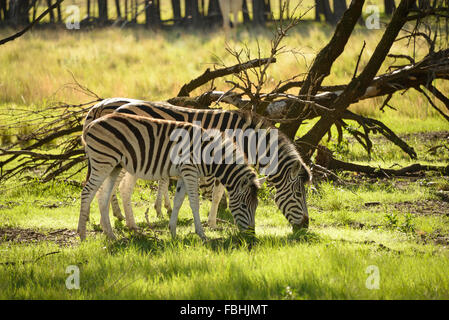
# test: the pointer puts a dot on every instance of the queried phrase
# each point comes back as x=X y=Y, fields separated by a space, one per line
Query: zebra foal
x=150 y=149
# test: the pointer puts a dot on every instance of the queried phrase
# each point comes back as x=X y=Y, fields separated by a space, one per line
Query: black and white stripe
x=142 y=146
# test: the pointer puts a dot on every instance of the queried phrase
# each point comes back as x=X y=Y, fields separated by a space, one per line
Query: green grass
x=330 y=261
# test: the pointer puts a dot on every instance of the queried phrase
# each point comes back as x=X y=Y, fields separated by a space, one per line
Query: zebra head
x=291 y=196
x=243 y=202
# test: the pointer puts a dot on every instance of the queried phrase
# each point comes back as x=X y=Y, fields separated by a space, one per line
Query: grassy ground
x=399 y=226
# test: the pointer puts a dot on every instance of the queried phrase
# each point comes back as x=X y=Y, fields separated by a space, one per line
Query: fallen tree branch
x=210 y=75
x=325 y=159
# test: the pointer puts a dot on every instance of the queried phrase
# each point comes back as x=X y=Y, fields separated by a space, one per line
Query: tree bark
x=118 y=9
x=339 y=8
x=103 y=10
x=214 y=14
x=390 y=6
x=58 y=10
x=88 y=8
x=259 y=12
x=267 y=11
x=152 y=13
x=323 y=7
x=176 y=7
x=3 y=10
x=245 y=11
x=52 y=15
x=19 y=12
x=192 y=12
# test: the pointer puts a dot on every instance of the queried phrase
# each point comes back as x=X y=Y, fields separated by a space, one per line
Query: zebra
x=144 y=148
x=107 y=106
x=288 y=180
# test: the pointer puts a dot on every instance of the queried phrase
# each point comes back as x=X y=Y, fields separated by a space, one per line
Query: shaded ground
x=423 y=207
x=63 y=237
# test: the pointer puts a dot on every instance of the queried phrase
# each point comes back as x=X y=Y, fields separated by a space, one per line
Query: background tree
x=103 y=11
x=390 y=6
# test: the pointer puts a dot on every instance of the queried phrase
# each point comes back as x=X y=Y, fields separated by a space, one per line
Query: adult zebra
x=119 y=141
x=107 y=106
x=288 y=180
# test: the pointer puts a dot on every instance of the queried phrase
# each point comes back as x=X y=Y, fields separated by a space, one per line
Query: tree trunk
x=176 y=6
x=390 y=6
x=134 y=11
x=58 y=10
x=152 y=14
x=103 y=10
x=214 y=13
x=339 y=8
x=259 y=12
x=3 y=10
x=192 y=12
x=18 y=12
x=245 y=11
x=51 y=14
x=117 y=8
x=323 y=7
x=268 y=15
x=88 y=8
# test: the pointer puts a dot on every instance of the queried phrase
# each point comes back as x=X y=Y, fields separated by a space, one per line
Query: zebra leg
x=167 y=203
x=116 y=207
x=177 y=203
x=217 y=194
x=93 y=183
x=191 y=186
x=126 y=190
x=163 y=183
x=114 y=200
x=104 y=199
